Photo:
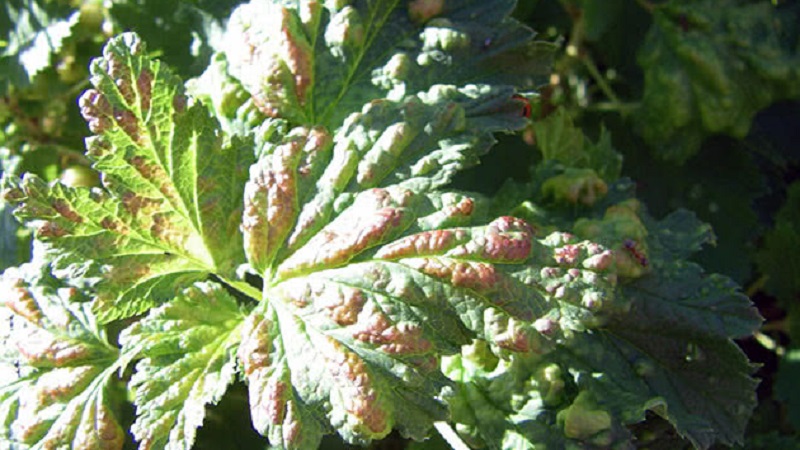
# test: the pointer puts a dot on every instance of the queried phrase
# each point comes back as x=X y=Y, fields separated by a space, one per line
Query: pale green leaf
x=188 y=346
x=60 y=387
x=168 y=212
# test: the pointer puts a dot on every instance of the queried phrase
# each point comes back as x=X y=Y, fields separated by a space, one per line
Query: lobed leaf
x=188 y=346
x=168 y=212
x=710 y=66
x=62 y=386
x=666 y=348
x=329 y=59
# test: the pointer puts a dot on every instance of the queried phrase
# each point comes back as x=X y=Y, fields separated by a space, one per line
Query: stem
x=449 y=435
x=599 y=79
x=756 y=286
x=622 y=108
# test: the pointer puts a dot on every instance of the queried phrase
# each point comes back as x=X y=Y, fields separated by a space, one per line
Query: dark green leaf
x=710 y=66
x=328 y=61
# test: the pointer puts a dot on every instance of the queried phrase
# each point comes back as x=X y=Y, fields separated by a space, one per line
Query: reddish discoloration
x=480 y=277
x=106 y=429
x=50 y=230
x=297 y=56
x=505 y=240
x=96 y=110
x=366 y=223
x=98 y=147
x=270 y=204
x=317 y=142
x=375 y=328
x=62 y=208
x=42 y=348
x=507 y=332
x=61 y=384
x=567 y=255
x=353 y=379
x=344 y=307
x=274 y=401
x=136 y=204
x=166 y=231
x=114 y=225
x=179 y=103
x=291 y=431
x=269 y=394
x=127 y=122
x=421 y=11
x=463 y=208
x=127 y=274
x=255 y=348
x=422 y=244
x=341 y=303
x=19 y=299
x=144 y=84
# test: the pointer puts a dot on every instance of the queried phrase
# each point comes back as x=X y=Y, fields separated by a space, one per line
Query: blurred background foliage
x=700 y=97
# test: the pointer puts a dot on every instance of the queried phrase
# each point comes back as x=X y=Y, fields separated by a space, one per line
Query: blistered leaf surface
x=188 y=347
x=60 y=387
x=668 y=350
x=314 y=63
x=710 y=66
x=168 y=211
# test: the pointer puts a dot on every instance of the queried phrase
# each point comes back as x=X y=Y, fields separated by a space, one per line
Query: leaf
x=677 y=339
x=560 y=140
x=189 y=347
x=785 y=385
x=710 y=66
x=36 y=32
x=779 y=255
x=63 y=386
x=532 y=401
x=185 y=33
x=328 y=61
x=669 y=351
x=168 y=213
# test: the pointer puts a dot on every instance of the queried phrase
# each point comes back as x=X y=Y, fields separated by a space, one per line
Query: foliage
x=276 y=216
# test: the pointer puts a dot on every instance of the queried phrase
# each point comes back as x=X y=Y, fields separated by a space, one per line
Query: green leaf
x=710 y=66
x=785 y=386
x=779 y=258
x=677 y=339
x=370 y=275
x=327 y=61
x=560 y=140
x=183 y=33
x=168 y=212
x=59 y=367
x=667 y=349
x=36 y=31
x=189 y=347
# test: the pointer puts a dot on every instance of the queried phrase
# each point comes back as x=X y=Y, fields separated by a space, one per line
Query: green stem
x=599 y=79
x=243 y=287
x=622 y=108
